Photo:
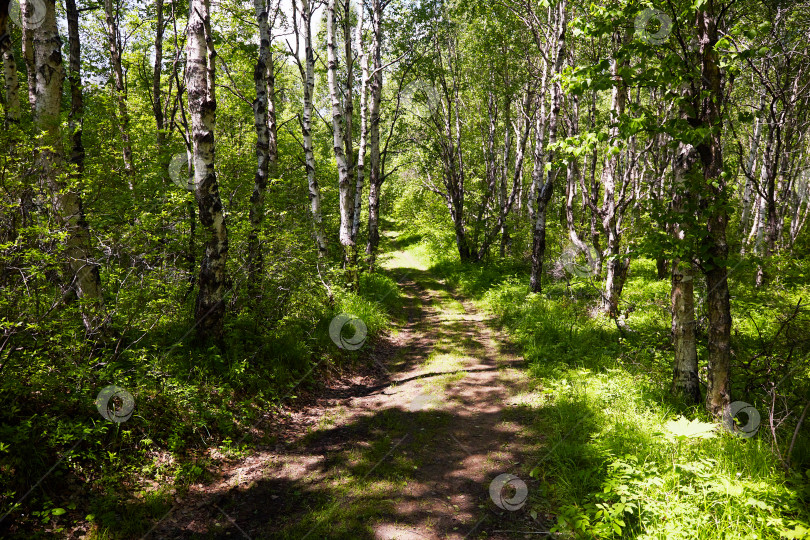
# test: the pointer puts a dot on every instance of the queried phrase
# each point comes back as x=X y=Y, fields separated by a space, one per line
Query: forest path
x=407 y=454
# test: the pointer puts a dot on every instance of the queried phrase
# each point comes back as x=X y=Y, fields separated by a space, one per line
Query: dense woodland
x=192 y=190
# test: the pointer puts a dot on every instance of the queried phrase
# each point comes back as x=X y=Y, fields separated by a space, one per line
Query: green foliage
x=616 y=462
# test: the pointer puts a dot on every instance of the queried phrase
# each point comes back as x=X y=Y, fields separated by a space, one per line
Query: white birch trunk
x=11 y=82
x=685 y=382
x=210 y=305
x=361 y=151
x=264 y=124
x=542 y=193
x=375 y=161
x=84 y=272
x=345 y=192
x=308 y=76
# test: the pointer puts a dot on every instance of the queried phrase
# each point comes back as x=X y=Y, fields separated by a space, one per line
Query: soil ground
x=406 y=450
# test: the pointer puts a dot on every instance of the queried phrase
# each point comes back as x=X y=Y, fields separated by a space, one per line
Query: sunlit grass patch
x=606 y=467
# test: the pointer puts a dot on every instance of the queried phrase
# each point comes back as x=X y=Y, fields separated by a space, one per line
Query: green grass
x=607 y=468
x=611 y=471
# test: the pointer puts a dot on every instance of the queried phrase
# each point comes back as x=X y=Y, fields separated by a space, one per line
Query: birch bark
x=210 y=305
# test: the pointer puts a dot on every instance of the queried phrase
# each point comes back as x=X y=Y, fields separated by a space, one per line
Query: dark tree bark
x=718 y=301
x=157 y=100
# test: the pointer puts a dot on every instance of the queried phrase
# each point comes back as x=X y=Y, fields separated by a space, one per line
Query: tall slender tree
x=111 y=20
x=264 y=119
x=306 y=67
x=83 y=272
x=200 y=79
x=341 y=131
x=11 y=82
x=543 y=178
x=375 y=87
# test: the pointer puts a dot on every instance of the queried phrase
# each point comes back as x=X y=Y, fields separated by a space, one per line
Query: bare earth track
x=406 y=450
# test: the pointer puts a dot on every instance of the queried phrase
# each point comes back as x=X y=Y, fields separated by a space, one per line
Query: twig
x=796 y=432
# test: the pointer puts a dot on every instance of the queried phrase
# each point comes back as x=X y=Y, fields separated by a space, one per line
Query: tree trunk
x=28 y=56
x=76 y=116
x=661 y=267
x=10 y=79
x=344 y=164
x=543 y=195
x=718 y=301
x=751 y=167
x=504 y=177
x=157 y=101
x=612 y=210
x=47 y=57
x=119 y=86
x=308 y=79
x=685 y=382
x=361 y=151
x=210 y=305
x=266 y=147
x=375 y=162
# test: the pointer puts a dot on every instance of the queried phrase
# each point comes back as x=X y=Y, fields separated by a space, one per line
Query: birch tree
x=375 y=87
x=157 y=100
x=200 y=74
x=11 y=82
x=361 y=150
x=76 y=116
x=685 y=382
x=715 y=266
x=341 y=132
x=119 y=86
x=303 y=32
x=543 y=180
x=83 y=272
x=264 y=119
x=615 y=193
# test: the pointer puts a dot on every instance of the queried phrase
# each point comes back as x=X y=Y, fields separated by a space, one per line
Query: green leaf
x=682 y=428
x=798 y=532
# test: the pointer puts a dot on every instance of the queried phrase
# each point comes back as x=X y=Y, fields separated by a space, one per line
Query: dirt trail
x=406 y=453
